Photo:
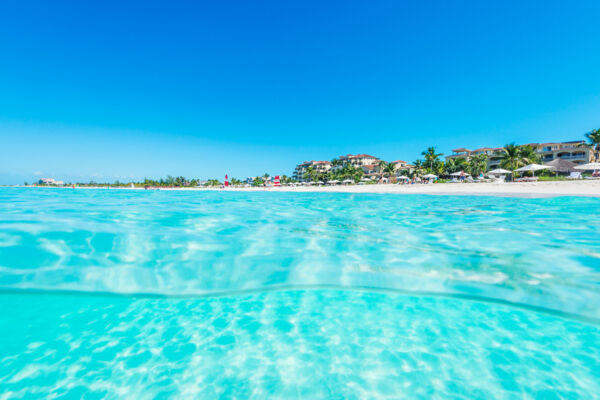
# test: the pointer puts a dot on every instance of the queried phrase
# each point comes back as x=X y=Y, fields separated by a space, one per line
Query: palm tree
x=387 y=168
x=593 y=138
x=418 y=167
x=528 y=155
x=310 y=172
x=511 y=157
x=455 y=165
x=431 y=157
x=478 y=164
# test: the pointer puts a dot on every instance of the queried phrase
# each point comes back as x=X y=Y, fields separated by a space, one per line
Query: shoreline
x=586 y=188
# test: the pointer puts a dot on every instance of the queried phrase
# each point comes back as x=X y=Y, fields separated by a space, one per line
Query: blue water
x=156 y=294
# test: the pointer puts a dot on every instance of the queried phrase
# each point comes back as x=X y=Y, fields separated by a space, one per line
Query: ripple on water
x=289 y=344
x=194 y=243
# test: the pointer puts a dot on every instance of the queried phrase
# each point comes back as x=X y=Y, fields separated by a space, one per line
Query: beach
x=588 y=188
x=525 y=189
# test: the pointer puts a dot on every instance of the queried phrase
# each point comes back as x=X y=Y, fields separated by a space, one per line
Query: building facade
x=576 y=151
x=300 y=172
x=356 y=160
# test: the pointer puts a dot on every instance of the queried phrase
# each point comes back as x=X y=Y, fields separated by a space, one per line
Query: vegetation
x=512 y=156
x=593 y=138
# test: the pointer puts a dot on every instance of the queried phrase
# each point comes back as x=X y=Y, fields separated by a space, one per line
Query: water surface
x=155 y=294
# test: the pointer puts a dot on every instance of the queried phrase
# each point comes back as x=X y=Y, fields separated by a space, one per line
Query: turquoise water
x=149 y=294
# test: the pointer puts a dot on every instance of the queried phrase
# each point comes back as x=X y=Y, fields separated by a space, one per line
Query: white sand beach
x=527 y=189
x=521 y=189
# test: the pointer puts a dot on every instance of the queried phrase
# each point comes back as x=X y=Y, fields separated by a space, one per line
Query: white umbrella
x=366 y=178
x=498 y=171
x=591 y=166
x=403 y=177
x=334 y=181
x=460 y=173
x=533 y=167
x=312 y=183
x=320 y=183
x=430 y=176
x=348 y=181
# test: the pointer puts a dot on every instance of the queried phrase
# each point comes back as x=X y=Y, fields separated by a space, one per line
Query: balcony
x=571 y=156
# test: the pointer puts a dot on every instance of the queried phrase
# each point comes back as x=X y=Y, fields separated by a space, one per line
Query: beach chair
x=574 y=175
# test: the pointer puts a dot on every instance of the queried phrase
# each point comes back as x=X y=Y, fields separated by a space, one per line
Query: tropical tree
x=335 y=162
x=387 y=169
x=593 y=138
x=528 y=155
x=418 y=170
x=310 y=173
x=257 y=181
x=477 y=164
x=455 y=165
x=431 y=158
x=511 y=158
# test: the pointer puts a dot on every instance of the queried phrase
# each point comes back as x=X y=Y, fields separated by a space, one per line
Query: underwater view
x=174 y=294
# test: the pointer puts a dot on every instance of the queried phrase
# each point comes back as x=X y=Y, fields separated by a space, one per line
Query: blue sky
x=121 y=90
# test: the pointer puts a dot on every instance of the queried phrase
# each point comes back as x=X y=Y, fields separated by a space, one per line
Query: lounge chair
x=574 y=175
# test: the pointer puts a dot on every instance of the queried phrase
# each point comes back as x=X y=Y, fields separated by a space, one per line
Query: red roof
x=360 y=156
x=398 y=161
x=321 y=162
x=461 y=150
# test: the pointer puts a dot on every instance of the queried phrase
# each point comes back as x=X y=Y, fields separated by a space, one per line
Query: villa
x=356 y=160
x=318 y=166
x=575 y=151
x=50 y=181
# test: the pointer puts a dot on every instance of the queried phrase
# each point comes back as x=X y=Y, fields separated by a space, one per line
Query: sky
x=126 y=90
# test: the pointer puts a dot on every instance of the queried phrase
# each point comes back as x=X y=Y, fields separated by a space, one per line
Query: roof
x=562 y=165
x=360 y=156
x=461 y=150
x=398 y=161
x=321 y=162
x=370 y=166
x=483 y=149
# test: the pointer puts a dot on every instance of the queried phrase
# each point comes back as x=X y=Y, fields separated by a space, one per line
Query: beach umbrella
x=347 y=181
x=366 y=179
x=403 y=177
x=499 y=171
x=430 y=176
x=589 y=167
x=320 y=183
x=533 y=167
x=562 y=165
x=334 y=181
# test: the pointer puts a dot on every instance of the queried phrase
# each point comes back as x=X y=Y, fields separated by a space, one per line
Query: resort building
x=402 y=166
x=371 y=170
x=301 y=169
x=50 y=181
x=494 y=155
x=576 y=151
x=356 y=160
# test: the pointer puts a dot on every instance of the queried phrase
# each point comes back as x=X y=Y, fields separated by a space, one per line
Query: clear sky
x=121 y=90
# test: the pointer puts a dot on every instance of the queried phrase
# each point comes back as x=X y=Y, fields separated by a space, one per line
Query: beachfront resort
x=569 y=160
